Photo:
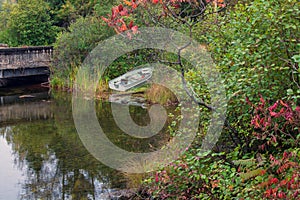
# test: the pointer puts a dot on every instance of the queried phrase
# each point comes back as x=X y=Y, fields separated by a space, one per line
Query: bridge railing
x=25 y=57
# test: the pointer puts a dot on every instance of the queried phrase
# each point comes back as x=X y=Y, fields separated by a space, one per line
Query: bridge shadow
x=23 y=81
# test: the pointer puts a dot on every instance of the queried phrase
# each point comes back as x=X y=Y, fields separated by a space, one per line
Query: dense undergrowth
x=256 y=46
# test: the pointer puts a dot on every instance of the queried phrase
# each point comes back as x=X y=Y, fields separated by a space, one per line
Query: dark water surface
x=42 y=156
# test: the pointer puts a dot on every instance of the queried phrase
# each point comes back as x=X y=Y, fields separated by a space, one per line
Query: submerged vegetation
x=255 y=45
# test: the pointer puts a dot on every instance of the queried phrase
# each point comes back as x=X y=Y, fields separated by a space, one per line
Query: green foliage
x=86 y=30
x=29 y=23
x=66 y=12
x=103 y=7
x=283 y=181
x=209 y=176
x=213 y=176
x=253 y=46
x=256 y=46
x=4 y=17
x=73 y=46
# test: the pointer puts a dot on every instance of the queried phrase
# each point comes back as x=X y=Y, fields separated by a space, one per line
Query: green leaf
x=290 y=92
x=296 y=58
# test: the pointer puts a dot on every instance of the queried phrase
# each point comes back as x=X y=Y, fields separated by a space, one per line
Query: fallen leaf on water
x=26 y=96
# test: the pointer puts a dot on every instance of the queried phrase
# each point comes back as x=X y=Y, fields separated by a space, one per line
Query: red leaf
x=114 y=12
x=120 y=7
x=156 y=177
x=134 y=29
x=124 y=12
x=128 y=3
x=281 y=195
x=274 y=139
x=284 y=104
x=274 y=106
x=123 y=27
x=268 y=192
x=273 y=114
x=262 y=100
x=248 y=101
x=288 y=115
x=130 y=25
x=255 y=121
x=132 y=4
x=176 y=5
x=105 y=19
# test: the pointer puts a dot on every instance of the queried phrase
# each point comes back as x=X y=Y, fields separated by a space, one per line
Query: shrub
x=253 y=46
x=276 y=125
x=73 y=46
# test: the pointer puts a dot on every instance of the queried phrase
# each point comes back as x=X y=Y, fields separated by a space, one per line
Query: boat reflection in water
x=128 y=99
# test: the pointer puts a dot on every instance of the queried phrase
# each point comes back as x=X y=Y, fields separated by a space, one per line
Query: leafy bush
x=213 y=176
x=189 y=178
x=253 y=46
x=256 y=46
x=220 y=176
x=276 y=125
x=73 y=46
x=284 y=179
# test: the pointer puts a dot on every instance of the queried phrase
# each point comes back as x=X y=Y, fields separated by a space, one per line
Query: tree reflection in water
x=55 y=162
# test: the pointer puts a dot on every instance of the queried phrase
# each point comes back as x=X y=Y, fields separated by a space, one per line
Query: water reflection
x=9 y=186
x=48 y=152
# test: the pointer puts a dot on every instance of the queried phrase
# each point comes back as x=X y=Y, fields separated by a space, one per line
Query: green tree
x=65 y=12
x=5 y=10
x=72 y=46
x=29 y=23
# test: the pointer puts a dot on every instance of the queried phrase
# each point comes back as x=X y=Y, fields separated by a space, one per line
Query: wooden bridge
x=23 y=62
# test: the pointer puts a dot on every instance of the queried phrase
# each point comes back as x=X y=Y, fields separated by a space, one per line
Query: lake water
x=42 y=156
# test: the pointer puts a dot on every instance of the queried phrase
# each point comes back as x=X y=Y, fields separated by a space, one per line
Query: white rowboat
x=131 y=79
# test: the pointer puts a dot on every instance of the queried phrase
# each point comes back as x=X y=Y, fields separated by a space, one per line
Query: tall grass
x=160 y=94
